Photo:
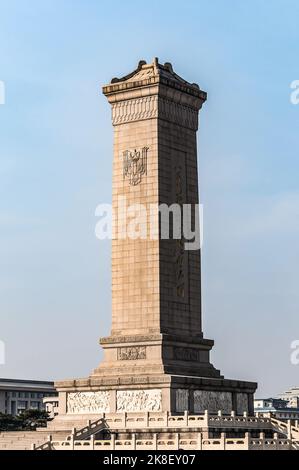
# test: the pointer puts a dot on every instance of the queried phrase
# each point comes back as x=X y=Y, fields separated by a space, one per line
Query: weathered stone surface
x=212 y=401
x=242 y=402
x=88 y=402
x=182 y=400
x=139 y=400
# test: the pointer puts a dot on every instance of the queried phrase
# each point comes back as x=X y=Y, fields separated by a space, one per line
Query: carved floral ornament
x=135 y=165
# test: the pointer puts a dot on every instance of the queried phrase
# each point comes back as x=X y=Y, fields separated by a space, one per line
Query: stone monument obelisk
x=156 y=358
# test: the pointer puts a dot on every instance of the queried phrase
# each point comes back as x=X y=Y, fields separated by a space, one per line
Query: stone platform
x=154 y=394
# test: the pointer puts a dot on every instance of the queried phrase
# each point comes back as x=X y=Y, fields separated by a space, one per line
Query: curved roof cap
x=153 y=73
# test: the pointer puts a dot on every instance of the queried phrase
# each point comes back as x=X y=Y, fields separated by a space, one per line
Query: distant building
x=292 y=396
x=277 y=407
x=20 y=395
x=51 y=404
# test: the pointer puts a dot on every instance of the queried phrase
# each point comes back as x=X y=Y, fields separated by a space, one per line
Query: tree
x=27 y=420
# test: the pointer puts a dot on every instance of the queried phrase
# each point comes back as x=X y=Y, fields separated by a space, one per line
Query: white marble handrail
x=222 y=443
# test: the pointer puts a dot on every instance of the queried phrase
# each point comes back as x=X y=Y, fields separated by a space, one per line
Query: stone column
x=156 y=279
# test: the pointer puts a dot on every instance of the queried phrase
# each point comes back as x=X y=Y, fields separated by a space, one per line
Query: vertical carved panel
x=242 y=403
x=180 y=255
x=182 y=400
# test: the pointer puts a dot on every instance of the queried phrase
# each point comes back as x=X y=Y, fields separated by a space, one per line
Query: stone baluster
x=72 y=442
x=275 y=437
x=177 y=441
x=223 y=440
x=262 y=439
x=134 y=441
x=92 y=439
x=199 y=441
x=247 y=440
x=186 y=415
x=112 y=441
x=155 y=441
x=289 y=428
x=207 y=418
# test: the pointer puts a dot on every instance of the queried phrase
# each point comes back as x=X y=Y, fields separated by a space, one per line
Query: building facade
x=281 y=409
x=292 y=396
x=17 y=396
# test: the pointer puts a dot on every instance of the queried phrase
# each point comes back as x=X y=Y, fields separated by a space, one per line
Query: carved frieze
x=212 y=401
x=135 y=110
x=186 y=354
x=150 y=107
x=88 y=402
x=131 y=353
x=139 y=400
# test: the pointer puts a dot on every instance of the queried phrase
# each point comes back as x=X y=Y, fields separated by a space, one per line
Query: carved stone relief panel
x=131 y=353
x=242 y=403
x=88 y=402
x=139 y=400
x=150 y=107
x=182 y=400
x=186 y=354
x=180 y=255
x=212 y=401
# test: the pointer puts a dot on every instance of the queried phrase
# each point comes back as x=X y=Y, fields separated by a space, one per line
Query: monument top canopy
x=151 y=75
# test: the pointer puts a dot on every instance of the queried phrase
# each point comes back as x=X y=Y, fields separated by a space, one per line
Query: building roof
x=17 y=384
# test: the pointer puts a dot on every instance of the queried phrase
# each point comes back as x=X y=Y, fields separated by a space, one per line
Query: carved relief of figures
x=88 y=402
x=212 y=401
x=135 y=165
x=139 y=400
x=182 y=400
x=132 y=353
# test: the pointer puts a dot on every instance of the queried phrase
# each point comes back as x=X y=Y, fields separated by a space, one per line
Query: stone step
x=18 y=440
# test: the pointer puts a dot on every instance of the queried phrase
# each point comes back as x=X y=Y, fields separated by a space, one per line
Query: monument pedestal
x=156 y=354
x=155 y=393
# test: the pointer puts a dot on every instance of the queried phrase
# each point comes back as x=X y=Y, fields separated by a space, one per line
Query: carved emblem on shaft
x=135 y=165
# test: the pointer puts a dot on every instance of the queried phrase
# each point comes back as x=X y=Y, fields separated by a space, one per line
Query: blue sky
x=56 y=167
